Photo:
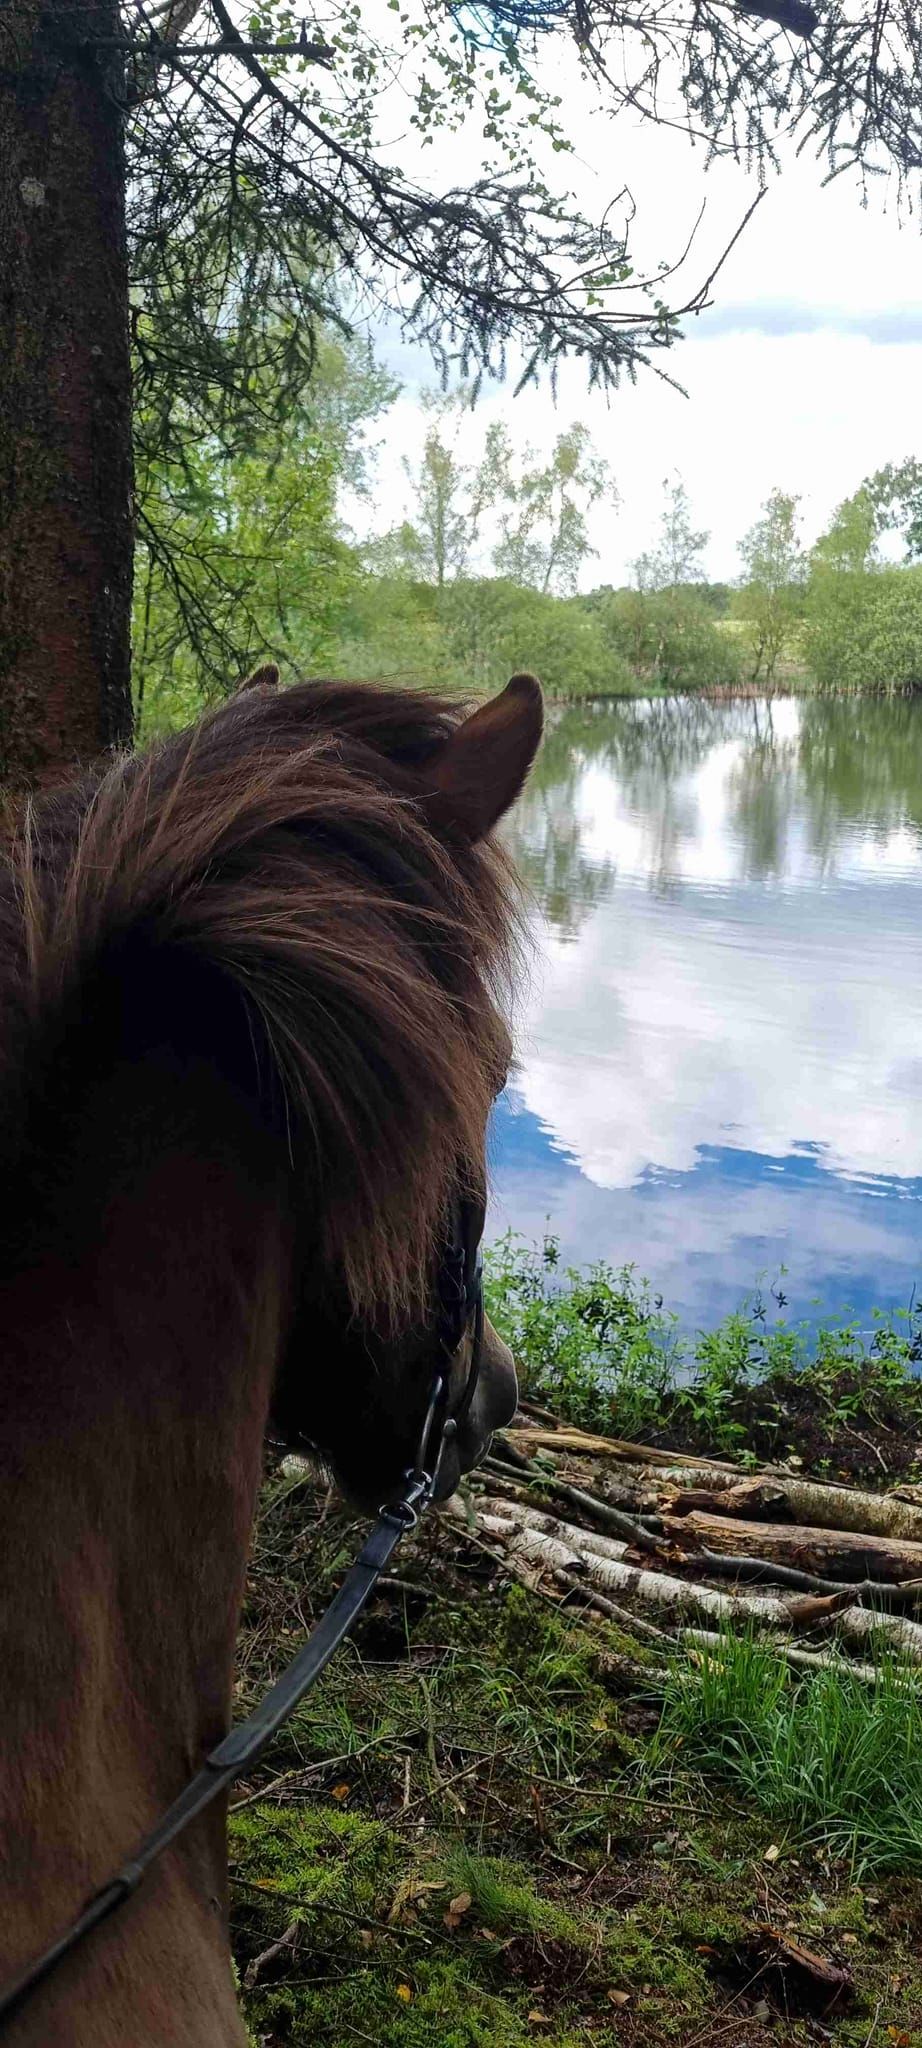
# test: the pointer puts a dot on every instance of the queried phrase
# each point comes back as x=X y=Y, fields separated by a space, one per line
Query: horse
x=253 y=1001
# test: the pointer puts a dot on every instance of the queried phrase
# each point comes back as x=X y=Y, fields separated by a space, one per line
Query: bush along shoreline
x=530 y=1801
x=598 y=1346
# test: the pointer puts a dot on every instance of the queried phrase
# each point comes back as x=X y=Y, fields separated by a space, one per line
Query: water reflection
x=722 y=1057
x=566 y=883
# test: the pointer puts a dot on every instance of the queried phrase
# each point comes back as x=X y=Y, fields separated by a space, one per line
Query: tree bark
x=66 y=526
x=833 y=1553
x=595 y=1559
x=579 y=1442
x=805 y=1501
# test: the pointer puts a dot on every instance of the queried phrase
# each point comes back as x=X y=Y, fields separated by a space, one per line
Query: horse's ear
x=481 y=768
x=266 y=677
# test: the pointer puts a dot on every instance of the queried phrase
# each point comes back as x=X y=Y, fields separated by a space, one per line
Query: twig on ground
x=601 y=1510
x=289 y=1939
x=325 y=1905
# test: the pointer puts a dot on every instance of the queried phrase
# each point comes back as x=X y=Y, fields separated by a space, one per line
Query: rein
x=461 y=1308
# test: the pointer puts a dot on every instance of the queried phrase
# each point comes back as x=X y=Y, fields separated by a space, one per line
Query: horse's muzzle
x=493 y=1406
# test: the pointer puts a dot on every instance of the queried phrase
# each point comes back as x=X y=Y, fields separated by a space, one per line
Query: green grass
x=467 y=1745
x=834 y=1761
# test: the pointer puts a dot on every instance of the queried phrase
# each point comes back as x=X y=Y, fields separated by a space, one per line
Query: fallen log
x=831 y=1553
x=806 y=1501
x=758 y=1500
x=710 y=1477
x=560 y=1546
x=791 y=1653
x=901 y=1636
x=600 y=1603
x=810 y=1502
x=582 y=1442
x=519 y=1515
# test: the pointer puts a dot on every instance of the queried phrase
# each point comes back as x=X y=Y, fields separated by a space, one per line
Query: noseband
x=460 y=1310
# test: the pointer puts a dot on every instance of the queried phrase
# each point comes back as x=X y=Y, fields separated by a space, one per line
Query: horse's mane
x=285 y=844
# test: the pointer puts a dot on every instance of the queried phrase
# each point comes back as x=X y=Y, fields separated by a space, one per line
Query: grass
x=835 y=1762
x=599 y=1346
x=604 y=1851
x=469 y=1835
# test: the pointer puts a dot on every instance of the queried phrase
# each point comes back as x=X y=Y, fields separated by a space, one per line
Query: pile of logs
x=824 y=1571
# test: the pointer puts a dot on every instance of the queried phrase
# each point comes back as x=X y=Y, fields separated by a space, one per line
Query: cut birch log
x=602 y=1603
x=860 y=1623
x=574 y=1549
x=657 y=1589
x=806 y=1501
x=590 y=1540
x=834 y=1553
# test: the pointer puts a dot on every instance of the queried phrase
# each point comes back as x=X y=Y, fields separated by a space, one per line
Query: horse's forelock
x=282 y=842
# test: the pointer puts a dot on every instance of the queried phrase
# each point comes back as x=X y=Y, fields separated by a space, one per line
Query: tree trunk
x=66 y=527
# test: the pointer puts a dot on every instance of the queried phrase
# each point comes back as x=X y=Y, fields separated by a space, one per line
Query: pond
x=720 y=1075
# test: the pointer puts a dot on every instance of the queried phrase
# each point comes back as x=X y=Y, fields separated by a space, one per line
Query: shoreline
x=599 y=1348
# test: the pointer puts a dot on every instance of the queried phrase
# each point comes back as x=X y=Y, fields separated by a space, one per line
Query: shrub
x=863 y=629
x=670 y=637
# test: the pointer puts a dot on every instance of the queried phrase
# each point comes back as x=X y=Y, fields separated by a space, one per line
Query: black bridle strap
x=245 y=1743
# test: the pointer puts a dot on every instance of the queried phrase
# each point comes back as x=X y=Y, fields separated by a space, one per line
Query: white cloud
x=805 y=374
x=705 y=1243
x=703 y=1006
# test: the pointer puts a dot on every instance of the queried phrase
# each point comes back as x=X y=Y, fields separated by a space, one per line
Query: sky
x=804 y=374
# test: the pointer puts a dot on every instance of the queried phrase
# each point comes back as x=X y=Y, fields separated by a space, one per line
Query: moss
x=467 y=1745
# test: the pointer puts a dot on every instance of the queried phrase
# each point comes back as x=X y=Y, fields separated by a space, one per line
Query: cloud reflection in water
x=721 y=1066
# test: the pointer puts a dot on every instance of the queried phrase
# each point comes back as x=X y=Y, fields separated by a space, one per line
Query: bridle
x=460 y=1311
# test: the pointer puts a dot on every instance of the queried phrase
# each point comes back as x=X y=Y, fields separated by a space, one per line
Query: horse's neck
x=140 y=1337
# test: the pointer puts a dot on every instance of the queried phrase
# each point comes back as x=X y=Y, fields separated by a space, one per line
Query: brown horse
x=250 y=1033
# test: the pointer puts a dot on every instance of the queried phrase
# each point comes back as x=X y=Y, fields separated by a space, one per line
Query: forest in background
x=481 y=577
